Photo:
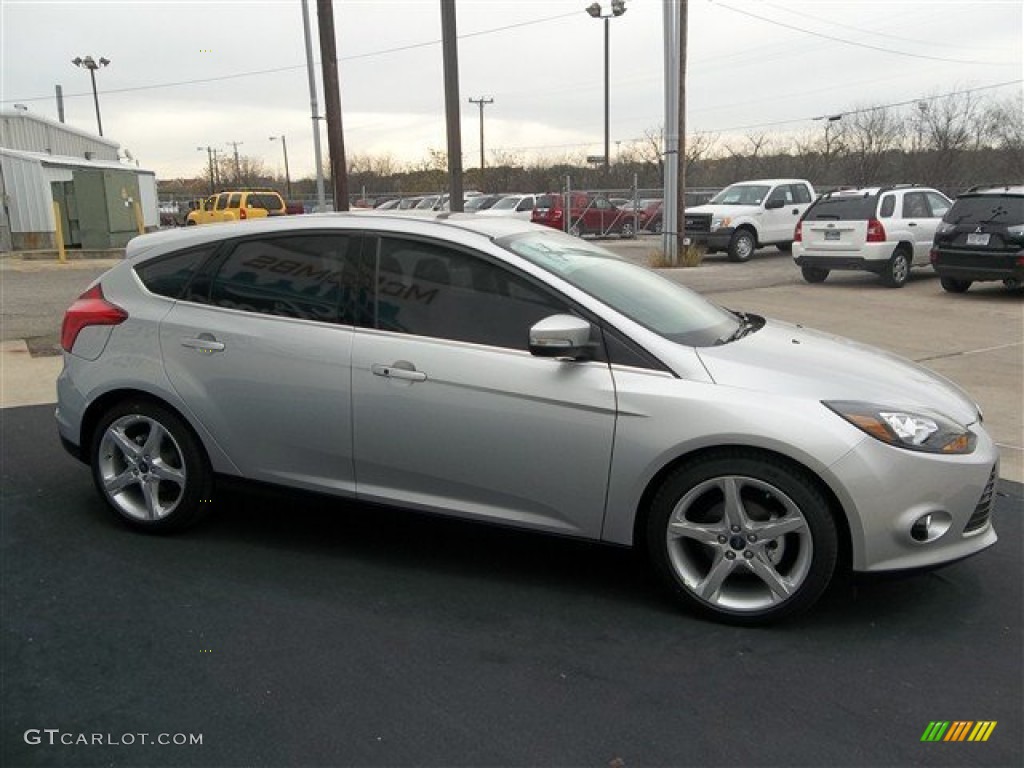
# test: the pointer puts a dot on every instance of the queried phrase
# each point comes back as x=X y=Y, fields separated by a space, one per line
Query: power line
x=796 y=120
x=276 y=70
x=860 y=45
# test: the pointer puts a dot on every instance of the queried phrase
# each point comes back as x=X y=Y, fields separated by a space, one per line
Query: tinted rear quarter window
x=847 y=208
x=169 y=275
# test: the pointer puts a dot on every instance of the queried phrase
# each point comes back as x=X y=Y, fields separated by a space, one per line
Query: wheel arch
x=110 y=399
x=838 y=512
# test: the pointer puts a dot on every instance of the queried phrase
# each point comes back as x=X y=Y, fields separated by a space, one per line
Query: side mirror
x=773 y=204
x=560 y=336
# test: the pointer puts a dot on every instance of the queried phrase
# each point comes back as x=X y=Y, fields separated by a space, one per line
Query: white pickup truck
x=747 y=215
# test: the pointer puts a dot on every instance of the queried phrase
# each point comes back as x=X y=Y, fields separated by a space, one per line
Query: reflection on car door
x=453 y=414
x=259 y=350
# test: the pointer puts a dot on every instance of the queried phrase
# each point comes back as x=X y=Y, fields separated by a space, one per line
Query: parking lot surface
x=294 y=630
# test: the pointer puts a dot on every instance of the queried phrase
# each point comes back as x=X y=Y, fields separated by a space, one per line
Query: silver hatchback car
x=495 y=370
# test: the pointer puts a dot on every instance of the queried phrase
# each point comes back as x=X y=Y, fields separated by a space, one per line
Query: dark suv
x=982 y=238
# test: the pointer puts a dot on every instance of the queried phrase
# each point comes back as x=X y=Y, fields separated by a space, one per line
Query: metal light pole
x=287 y=174
x=594 y=9
x=92 y=65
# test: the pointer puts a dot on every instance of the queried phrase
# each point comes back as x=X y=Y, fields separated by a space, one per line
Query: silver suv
x=499 y=371
x=885 y=230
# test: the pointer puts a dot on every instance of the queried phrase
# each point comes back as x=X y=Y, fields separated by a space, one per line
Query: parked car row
x=890 y=230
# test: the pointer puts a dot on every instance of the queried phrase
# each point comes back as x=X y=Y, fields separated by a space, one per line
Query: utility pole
x=681 y=154
x=321 y=204
x=481 y=102
x=332 y=102
x=450 y=53
x=238 y=166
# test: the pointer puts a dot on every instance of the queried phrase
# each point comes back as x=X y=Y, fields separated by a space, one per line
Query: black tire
x=1013 y=285
x=627 y=231
x=190 y=223
x=785 y=247
x=954 y=285
x=814 y=274
x=150 y=468
x=657 y=226
x=742 y=245
x=722 y=559
x=897 y=269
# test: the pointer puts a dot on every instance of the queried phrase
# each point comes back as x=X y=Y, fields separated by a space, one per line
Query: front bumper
x=888 y=489
x=712 y=241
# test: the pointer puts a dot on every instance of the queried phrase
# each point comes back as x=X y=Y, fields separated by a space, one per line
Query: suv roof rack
x=992 y=187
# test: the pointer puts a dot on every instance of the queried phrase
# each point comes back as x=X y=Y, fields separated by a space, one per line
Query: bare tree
x=870 y=136
x=1005 y=121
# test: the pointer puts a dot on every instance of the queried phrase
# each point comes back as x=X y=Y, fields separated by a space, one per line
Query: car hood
x=791 y=360
x=725 y=210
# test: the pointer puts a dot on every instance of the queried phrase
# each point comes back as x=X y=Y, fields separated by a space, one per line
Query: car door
x=779 y=221
x=259 y=351
x=453 y=414
x=919 y=224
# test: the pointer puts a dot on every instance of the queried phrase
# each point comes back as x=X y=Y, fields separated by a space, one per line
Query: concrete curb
x=27 y=380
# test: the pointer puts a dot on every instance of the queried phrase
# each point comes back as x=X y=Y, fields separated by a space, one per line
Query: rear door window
x=308 y=277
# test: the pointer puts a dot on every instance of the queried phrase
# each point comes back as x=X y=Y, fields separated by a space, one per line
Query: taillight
x=89 y=309
x=798 y=233
x=241 y=213
x=876 y=232
x=933 y=255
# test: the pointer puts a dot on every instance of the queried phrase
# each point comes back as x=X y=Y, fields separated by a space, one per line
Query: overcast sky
x=188 y=74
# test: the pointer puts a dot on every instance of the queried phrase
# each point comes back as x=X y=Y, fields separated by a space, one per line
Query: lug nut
x=730 y=555
x=722 y=539
x=752 y=538
x=735 y=529
x=748 y=554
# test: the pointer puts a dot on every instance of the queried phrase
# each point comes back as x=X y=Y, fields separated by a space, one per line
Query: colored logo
x=958 y=730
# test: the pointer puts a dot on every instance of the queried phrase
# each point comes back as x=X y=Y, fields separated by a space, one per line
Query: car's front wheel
x=742 y=245
x=897 y=269
x=814 y=274
x=954 y=285
x=150 y=468
x=742 y=537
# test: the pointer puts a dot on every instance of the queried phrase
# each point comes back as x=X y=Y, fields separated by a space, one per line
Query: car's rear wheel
x=742 y=537
x=190 y=223
x=1013 y=284
x=954 y=285
x=897 y=269
x=742 y=245
x=814 y=274
x=150 y=468
x=627 y=231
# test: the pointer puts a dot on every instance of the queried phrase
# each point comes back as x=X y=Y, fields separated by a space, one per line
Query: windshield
x=742 y=194
x=506 y=203
x=662 y=306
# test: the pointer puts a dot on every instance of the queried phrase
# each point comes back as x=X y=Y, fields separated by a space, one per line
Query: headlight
x=717 y=222
x=914 y=430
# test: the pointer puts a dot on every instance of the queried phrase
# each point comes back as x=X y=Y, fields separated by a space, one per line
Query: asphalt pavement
x=293 y=630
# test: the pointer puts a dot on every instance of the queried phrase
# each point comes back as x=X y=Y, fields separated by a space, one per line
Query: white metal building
x=42 y=162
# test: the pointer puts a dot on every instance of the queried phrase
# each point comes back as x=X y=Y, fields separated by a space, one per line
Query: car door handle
x=912 y=224
x=204 y=342
x=403 y=370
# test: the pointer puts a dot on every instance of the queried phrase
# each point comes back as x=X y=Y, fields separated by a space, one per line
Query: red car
x=589 y=215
